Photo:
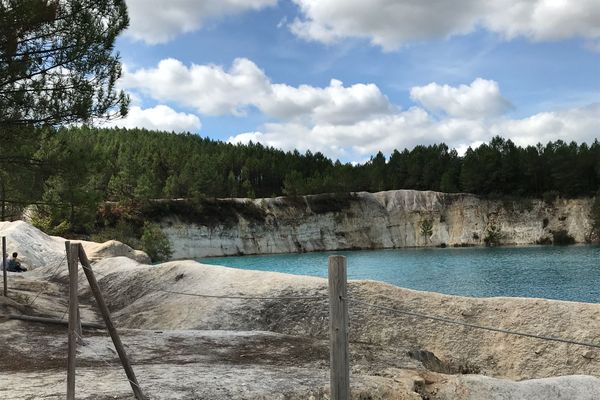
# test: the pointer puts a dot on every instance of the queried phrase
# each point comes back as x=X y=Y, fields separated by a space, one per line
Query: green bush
x=426 y=228
x=155 y=243
x=122 y=231
x=550 y=196
x=493 y=236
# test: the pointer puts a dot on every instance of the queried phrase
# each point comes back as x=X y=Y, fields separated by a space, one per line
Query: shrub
x=493 y=236
x=46 y=224
x=426 y=228
x=122 y=231
x=330 y=202
x=550 y=197
x=155 y=242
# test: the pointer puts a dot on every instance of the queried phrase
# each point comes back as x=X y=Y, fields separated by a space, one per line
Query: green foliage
x=155 y=242
x=140 y=168
x=493 y=236
x=426 y=227
x=562 y=238
x=550 y=196
x=57 y=63
x=123 y=231
x=49 y=225
x=203 y=211
x=329 y=202
x=57 y=66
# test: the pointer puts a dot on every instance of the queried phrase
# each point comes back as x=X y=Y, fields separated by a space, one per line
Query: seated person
x=14 y=265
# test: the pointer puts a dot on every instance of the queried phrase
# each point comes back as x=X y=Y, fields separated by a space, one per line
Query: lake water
x=564 y=273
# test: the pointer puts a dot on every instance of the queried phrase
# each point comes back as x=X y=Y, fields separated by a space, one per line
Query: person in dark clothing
x=14 y=265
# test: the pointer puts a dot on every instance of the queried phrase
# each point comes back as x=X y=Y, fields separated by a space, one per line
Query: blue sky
x=406 y=72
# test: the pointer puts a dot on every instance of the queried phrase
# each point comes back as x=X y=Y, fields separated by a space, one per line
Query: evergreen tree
x=56 y=61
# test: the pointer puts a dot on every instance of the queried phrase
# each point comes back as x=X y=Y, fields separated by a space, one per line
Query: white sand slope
x=194 y=347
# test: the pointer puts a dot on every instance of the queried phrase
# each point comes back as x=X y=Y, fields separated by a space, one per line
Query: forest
x=67 y=173
x=58 y=78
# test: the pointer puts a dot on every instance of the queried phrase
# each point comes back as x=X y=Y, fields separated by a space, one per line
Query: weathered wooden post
x=72 y=259
x=338 y=329
x=4 y=266
x=89 y=273
x=71 y=265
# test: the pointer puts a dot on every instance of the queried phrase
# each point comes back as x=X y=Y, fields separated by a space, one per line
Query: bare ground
x=189 y=347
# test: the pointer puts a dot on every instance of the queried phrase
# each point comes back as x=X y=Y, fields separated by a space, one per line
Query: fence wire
x=53 y=275
x=474 y=326
x=112 y=366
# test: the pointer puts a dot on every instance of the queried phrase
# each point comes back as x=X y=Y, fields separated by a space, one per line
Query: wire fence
x=349 y=300
x=53 y=275
x=471 y=325
x=396 y=311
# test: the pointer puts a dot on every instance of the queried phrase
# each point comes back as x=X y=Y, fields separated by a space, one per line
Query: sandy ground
x=190 y=347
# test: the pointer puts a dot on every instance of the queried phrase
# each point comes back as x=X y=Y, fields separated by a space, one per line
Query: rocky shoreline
x=392 y=219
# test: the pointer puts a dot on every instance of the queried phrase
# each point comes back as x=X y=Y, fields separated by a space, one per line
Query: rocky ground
x=190 y=347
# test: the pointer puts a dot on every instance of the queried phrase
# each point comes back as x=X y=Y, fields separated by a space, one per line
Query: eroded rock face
x=391 y=219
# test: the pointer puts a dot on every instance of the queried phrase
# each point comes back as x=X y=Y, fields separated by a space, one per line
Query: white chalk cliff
x=391 y=219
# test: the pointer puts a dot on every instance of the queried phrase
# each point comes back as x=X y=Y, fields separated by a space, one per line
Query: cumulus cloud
x=208 y=88
x=212 y=90
x=579 y=124
x=416 y=126
x=481 y=98
x=392 y=23
x=158 y=21
x=349 y=122
x=160 y=117
x=404 y=129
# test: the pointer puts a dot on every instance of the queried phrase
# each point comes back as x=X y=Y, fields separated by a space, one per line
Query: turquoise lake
x=563 y=273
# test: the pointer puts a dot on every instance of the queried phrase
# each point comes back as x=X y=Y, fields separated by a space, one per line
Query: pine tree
x=57 y=63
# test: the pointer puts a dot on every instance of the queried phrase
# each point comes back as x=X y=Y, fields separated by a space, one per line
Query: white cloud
x=208 y=88
x=481 y=98
x=158 y=21
x=415 y=126
x=350 y=122
x=212 y=90
x=160 y=117
x=579 y=124
x=393 y=23
x=333 y=104
x=363 y=138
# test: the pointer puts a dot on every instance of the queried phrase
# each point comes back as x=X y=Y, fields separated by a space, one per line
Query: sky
x=350 y=78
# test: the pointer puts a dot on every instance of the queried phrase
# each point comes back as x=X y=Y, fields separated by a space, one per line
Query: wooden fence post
x=338 y=329
x=76 y=266
x=89 y=273
x=4 y=265
x=72 y=257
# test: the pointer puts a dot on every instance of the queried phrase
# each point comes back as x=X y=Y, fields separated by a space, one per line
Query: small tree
x=426 y=228
x=156 y=243
x=57 y=66
x=493 y=236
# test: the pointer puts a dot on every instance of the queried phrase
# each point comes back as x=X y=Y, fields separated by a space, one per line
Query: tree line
x=68 y=172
